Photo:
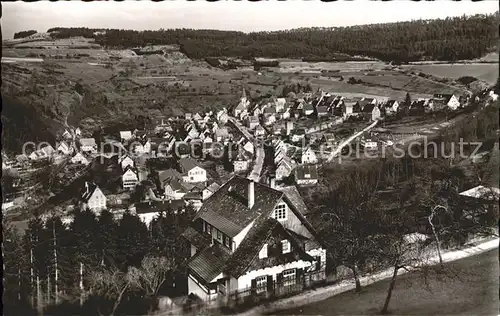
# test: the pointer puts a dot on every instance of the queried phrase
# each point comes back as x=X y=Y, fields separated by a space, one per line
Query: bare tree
x=110 y=284
x=151 y=275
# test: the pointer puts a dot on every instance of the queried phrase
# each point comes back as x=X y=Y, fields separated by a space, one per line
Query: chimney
x=251 y=194
x=272 y=183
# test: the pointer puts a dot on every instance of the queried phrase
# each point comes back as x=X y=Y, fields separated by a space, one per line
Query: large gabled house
x=391 y=107
x=130 y=177
x=93 y=198
x=192 y=171
x=442 y=101
x=64 y=148
x=371 y=112
x=306 y=175
x=284 y=168
x=248 y=238
x=88 y=145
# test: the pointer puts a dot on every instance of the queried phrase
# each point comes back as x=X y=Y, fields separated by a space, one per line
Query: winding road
x=258 y=148
x=349 y=140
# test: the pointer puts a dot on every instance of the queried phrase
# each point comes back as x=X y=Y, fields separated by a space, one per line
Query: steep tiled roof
x=209 y=263
x=254 y=241
x=368 y=108
x=294 y=196
x=196 y=238
x=302 y=171
x=213 y=187
x=390 y=103
x=88 y=192
x=88 y=142
x=227 y=209
x=164 y=175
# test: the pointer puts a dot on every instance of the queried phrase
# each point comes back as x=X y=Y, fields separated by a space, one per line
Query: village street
x=259 y=150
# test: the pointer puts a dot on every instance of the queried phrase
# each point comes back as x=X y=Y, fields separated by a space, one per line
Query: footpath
x=319 y=294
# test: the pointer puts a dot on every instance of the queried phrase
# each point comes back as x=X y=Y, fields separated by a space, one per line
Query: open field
x=293 y=66
x=483 y=71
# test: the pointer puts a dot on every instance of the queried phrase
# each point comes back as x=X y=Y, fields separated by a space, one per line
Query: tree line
x=56 y=262
x=23 y=34
x=464 y=37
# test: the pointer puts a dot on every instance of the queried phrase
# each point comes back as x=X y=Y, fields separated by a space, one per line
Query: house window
x=219 y=236
x=263 y=252
x=280 y=212
x=209 y=229
x=261 y=284
x=227 y=242
x=289 y=277
x=285 y=246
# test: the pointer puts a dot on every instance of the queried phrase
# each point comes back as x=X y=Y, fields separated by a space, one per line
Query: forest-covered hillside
x=465 y=37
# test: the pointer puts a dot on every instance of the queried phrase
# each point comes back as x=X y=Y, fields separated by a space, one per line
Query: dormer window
x=280 y=212
x=285 y=246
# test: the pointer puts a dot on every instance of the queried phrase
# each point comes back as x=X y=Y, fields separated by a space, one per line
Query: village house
x=259 y=131
x=92 y=198
x=126 y=161
x=280 y=104
x=270 y=119
x=162 y=147
x=79 y=158
x=391 y=107
x=249 y=237
x=64 y=148
x=125 y=136
x=192 y=171
x=130 y=177
x=209 y=190
x=167 y=175
x=188 y=116
x=417 y=107
x=242 y=105
x=147 y=211
x=88 y=145
x=298 y=135
x=66 y=135
x=143 y=146
x=197 y=117
x=176 y=189
x=173 y=189
x=347 y=108
x=252 y=122
x=308 y=156
x=284 y=169
x=306 y=175
x=222 y=117
x=371 y=112
x=257 y=111
x=441 y=101
x=222 y=134
x=307 y=109
x=45 y=152
x=287 y=113
x=242 y=161
x=322 y=111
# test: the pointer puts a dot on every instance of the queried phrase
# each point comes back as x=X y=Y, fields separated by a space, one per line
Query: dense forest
x=89 y=244
x=24 y=34
x=465 y=37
